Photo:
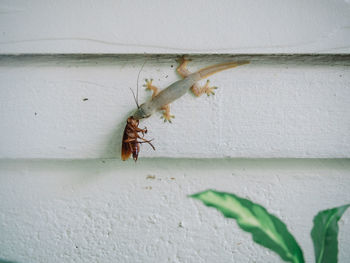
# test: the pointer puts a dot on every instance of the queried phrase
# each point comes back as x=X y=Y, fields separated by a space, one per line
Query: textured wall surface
x=111 y=211
x=76 y=107
x=65 y=72
x=156 y=26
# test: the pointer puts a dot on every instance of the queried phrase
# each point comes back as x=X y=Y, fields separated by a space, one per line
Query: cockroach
x=132 y=139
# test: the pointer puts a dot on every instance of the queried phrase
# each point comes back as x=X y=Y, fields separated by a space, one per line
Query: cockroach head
x=132 y=121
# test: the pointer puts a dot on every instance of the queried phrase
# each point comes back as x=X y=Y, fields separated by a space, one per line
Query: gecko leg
x=198 y=91
x=166 y=109
x=182 y=68
x=149 y=86
x=166 y=114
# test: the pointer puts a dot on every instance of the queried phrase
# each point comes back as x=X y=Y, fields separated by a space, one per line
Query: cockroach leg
x=149 y=142
x=130 y=142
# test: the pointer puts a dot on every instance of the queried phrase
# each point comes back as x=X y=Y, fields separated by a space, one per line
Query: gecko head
x=142 y=112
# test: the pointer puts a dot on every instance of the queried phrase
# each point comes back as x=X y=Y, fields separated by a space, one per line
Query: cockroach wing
x=126 y=149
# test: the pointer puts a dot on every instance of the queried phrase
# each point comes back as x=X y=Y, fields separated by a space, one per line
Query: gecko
x=160 y=100
x=133 y=136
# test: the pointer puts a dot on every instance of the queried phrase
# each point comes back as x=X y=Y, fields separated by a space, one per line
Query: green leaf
x=266 y=229
x=324 y=234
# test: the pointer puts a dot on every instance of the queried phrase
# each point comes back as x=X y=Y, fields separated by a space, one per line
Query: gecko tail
x=208 y=71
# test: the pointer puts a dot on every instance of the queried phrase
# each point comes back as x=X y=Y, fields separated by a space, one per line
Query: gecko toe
x=167 y=117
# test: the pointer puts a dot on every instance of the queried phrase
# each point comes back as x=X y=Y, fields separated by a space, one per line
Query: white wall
x=280 y=106
x=240 y=26
x=66 y=197
x=112 y=211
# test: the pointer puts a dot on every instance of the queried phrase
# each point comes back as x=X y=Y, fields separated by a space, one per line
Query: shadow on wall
x=7 y=261
x=114 y=143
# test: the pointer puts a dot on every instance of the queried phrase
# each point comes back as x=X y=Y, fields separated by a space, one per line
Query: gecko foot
x=182 y=68
x=209 y=90
x=198 y=91
x=166 y=114
x=167 y=117
x=149 y=86
x=183 y=59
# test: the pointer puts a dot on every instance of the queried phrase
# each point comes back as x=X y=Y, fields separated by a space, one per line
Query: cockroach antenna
x=136 y=98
